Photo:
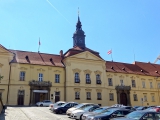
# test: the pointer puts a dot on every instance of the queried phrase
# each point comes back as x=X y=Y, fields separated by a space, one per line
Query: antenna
x=158 y=58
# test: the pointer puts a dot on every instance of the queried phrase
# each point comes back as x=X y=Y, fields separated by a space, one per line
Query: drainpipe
x=9 y=82
x=65 y=86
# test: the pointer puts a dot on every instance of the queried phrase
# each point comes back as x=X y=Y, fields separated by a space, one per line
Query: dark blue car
x=63 y=108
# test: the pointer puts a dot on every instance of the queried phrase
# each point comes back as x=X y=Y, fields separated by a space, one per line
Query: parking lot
x=31 y=113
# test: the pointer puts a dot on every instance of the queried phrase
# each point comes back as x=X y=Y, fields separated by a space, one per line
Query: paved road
x=31 y=113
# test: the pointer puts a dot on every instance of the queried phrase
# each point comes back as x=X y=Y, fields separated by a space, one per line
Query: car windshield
x=87 y=108
x=78 y=106
x=139 y=108
x=64 y=104
x=108 y=112
x=98 y=110
x=150 y=108
x=135 y=115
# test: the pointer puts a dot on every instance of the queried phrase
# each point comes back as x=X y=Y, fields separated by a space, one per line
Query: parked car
x=82 y=105
x=63 y=108
x=94 y=112
x=77 y=114
x=142 y=108
x=156 y=109
x=44 y=103
x=136 y=107
x=140 y=115
x=59 y=103
x=129 y=108
x=110 y=113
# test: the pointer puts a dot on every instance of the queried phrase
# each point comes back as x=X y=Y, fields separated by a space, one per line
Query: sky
x=131 y=28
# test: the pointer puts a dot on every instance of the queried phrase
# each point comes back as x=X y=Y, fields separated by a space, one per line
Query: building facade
x=80 y=74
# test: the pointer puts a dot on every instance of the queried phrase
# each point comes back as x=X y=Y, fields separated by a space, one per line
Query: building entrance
x=20 y=97
x=123 y=99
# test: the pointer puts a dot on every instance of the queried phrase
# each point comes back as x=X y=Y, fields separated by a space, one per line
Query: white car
x=59 y=103
x=82 y=105
x=44 y=103
x=77 y=114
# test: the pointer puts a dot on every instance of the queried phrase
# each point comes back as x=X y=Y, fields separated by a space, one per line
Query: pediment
x=3 y=50
x=86 y=55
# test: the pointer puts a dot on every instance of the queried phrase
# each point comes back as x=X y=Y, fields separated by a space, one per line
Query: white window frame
x=76 y=78
x=151 y=85
x=133 y=83
x=88 y=80
x=57 y=78
x=143 y=84
x=99 y=95
x=22 y=76
x=88 y=95
x=110 y=82
x=77 y=95
x=111 y=96
x=121 y=82
x=40 y=77
x=135 y=98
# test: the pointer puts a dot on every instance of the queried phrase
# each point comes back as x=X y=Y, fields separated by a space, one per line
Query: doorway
x=57 y=97
x=123 y=98
x=21 y=97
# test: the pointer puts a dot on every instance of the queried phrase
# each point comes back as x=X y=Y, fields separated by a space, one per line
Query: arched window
x=98 y=79
x=76 y=78
x=88 y=80
x=77 y=95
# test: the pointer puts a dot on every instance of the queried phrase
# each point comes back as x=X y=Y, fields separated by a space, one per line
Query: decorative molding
x=121 y=76
x=23 y=68
x=143 y=79
x=115 y=74
x=133 y=78
x=103 y=67
x=77 y=89
x=99 y=90
x=86 y=55
x=127 y=75
x=40 y=83
x=137 y=76
x=109 y=75
x=68 y=63
x=41 y=70
x=13 y=65
x=122 y=87
x=57 y=71
x=1 y=65
x=49 y=68
x=76 y=70
x=88 y=90
x=97 y=72
x=31 y=67
x=87 y=71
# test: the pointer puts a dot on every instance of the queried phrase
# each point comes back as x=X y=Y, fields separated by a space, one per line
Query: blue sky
x=127 y=27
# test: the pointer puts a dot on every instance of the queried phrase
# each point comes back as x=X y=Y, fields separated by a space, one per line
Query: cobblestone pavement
x=31 y=113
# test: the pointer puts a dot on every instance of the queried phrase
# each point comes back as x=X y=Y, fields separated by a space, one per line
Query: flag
x=109 y=52
x=39 y=42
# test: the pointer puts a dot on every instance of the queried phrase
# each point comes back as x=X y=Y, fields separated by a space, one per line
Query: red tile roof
x=37 y=58
x=136 y=68
x=77 y=50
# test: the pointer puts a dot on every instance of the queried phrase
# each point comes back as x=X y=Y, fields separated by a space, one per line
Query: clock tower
x=78 y=36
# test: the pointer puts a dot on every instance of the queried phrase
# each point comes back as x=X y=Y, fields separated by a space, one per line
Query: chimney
x=61 y=53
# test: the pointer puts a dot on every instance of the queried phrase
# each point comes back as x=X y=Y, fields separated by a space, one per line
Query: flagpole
x=111 y=56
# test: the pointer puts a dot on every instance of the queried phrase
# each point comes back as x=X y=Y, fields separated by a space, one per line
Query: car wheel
x=41 y=105
x=60 y=112
x=81 y=117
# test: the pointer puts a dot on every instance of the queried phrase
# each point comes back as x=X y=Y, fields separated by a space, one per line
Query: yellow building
x=80 y=74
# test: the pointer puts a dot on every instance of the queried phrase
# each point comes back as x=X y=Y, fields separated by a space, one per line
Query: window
x=40 y=77
x=76 y=78
x=77 y=94
x=110 y=82
x=111 y=97
x=0 y=95
x=135 y=97
x=133 y=83
x=151 y=86
x=159 y=85
x=57 y=76
x=99 y=97
x=143 y=84
x=98 y=79
x=121 y=82
x=145 y=98
x=153 y=98
x=88 y=95
x=22 y=76
x=88 y=81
